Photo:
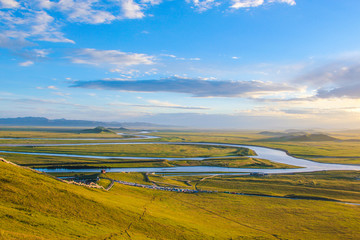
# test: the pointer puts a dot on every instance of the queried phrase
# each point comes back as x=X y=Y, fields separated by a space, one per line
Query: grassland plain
x=138 y=150
x=332 y=185
x=77 y=162
x=36 y=206
x=52 y=133
x=344 y=151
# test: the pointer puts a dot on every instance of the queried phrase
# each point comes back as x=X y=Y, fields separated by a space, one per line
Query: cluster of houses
x=171 y=189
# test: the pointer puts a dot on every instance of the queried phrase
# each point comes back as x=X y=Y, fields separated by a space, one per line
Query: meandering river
x=274 y=155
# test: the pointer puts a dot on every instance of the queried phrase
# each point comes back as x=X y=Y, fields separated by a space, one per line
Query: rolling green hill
x=300 y=138
x=37 y=206
x=97 y=130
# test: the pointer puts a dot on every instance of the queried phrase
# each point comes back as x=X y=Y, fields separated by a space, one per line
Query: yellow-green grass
x=134 y=177
x=167 y=181
x=139 y=150
x=347 y=134
x=209 y=136
x=104 y=182
x=67 y=141
x=328 y=152
x=35 y=206
x=337 y=185
x=236 y=162
x=313 y=149
x=318 y=151
x=39 y=161
x=337 y=150
x=48 y=133
x=347 y=160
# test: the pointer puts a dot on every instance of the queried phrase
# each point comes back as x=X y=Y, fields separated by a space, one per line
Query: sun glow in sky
x=198 y=63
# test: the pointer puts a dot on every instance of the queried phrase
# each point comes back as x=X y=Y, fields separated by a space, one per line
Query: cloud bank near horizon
x=194 y=87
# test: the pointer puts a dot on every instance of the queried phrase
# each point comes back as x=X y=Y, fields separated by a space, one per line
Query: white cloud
x=168 y=55
x=114 y=58
x=9 y=4
x=84 y=11
x=290 y=2
x=13 y=43
x=236 y=4
x=203 y=5
x=41 y=53
x=159 y=104
x=48 y=87
x=246 y=3
x=152 y=2
x=45 y=4
x=26 y=63
x=41 y=20
x=26 y=21
x=131 y=9
x=37 y=25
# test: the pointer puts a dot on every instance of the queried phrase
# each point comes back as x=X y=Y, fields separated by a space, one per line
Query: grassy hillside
x=98 y=130
x=36 y=206
x=301 y=138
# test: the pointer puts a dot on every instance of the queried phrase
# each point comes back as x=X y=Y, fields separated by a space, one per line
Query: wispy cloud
x=203 y=5
x=160 y=104
x=172 y=56
x=42 y=20
x=236 y=4
x=274 y=119
x=48 y=87
x=9 y=4
x=83 y=11
x=335 y=80
x=246 y=3
x=26 y=63
x=111 y=58
x=195 y=87
x=22 y=25
x=131 y=9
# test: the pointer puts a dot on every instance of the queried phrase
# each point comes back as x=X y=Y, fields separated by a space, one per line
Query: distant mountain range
x=41 y=121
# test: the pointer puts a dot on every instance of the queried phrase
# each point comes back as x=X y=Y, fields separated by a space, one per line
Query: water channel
x=273 y=155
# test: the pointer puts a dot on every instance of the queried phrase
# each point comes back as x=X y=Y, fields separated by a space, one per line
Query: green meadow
x=139 y=150
x=318 y=205
x=77 y=162
x=344 y=151
x=36 y=206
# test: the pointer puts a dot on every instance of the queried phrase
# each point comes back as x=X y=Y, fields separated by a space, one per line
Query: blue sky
x=218 y=64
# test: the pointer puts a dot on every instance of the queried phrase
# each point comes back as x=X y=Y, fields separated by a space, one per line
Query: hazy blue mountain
x=41 y=121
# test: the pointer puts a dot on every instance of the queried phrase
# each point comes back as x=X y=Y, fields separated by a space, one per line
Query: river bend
x=274 y=155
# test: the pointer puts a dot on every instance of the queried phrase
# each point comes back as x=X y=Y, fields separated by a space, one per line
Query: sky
x=243 y=64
